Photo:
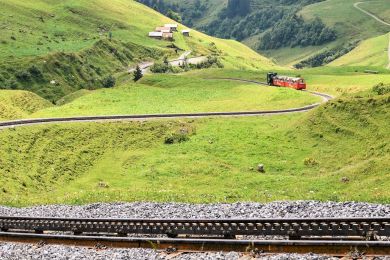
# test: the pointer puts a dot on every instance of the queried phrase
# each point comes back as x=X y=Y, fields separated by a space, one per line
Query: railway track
x=26 y=122
x=334 y=236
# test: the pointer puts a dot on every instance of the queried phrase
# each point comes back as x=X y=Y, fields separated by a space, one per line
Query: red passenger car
x=273 y=79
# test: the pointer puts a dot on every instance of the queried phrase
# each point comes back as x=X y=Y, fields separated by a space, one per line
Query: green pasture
x=180 y=94
x=319 y=155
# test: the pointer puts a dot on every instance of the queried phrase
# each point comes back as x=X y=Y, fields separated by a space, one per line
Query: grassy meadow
x=16 y=104
x=371 y=52
x=208 y=160
x=61 y=52
x=194 y=91
x=332 y=80
x=180 y=94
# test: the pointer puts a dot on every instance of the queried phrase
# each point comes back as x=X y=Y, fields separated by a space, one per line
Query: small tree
x=110 y=36
x=109 y=82
x=137 y=74
x=166 y=61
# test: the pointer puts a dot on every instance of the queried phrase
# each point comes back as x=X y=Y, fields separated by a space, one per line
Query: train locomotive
x=273 y=79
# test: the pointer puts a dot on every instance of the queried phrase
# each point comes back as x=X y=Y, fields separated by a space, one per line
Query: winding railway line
x=26 y=122
x=306 y=235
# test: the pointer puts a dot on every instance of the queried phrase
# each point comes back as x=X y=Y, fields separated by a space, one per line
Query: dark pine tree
x=137 y=74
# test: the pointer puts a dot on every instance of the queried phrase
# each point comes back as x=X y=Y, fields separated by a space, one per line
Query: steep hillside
x=329 y=26
x=337 y=131
x=56 y=48
x=379 y=8
x=20 y=104
x=371 y=52
x=351 y=26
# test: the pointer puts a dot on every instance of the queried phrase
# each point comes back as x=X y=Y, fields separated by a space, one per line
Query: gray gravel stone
x=180 y=210
x=177 y=210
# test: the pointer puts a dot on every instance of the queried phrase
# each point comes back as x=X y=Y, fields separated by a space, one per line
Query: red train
x=273 y=79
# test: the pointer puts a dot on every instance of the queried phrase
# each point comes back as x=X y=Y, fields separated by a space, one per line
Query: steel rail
x=368 y=228
x=335 y=248
x=25 y=122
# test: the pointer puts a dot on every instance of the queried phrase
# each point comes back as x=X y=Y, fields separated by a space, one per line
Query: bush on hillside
x=23 y=76
x=161 y=67
x=35 y=72
x=381 y=89
x=109 y=82
x=181 y=135
x=310 y=162
x=176 y=138
x=212 y=61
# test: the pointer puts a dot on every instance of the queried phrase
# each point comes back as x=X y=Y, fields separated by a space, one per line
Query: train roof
x=288 y=78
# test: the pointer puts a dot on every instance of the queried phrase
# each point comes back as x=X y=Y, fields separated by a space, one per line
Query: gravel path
x=177 y=210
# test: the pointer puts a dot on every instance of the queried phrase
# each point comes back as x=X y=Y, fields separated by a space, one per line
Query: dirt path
x=356 y=5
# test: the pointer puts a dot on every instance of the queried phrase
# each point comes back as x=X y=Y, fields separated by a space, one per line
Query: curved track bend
x=26 y=122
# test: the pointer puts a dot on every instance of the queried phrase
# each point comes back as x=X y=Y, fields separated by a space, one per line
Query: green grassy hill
x=371 y=52
x=56 y=48
x=210 y=160
x=199 y=91
x=180 y=94
x=350 y=24
x=20 y=104
x=378 y=8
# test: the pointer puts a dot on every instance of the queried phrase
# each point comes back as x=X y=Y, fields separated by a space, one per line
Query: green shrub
x=310 y=162
x=212 y=61
x=109 y=82
x=161 y=67
x=35 y=72
x=13 y=84
x=176 y=138
x=181 y=135
x=381 y=89
x=23 y=76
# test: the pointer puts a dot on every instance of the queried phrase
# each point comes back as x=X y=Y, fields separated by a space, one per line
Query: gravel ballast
x=299 y=209
x=296 y=209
